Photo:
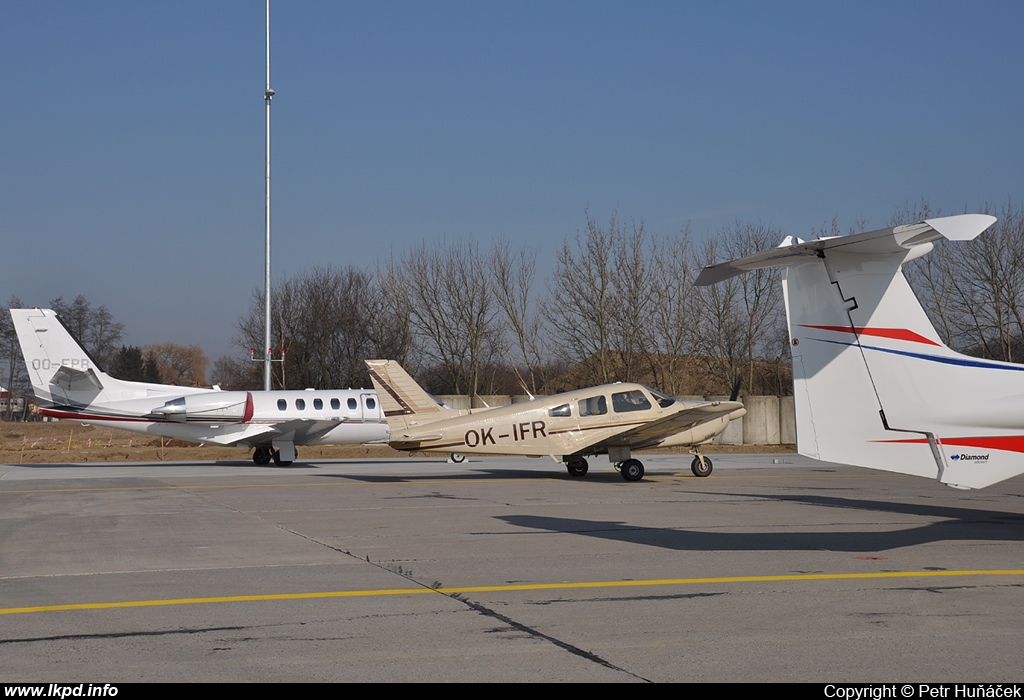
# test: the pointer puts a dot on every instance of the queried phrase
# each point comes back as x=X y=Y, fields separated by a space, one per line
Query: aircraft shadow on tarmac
x=245 y=463
x=467 y=475
x=957 y=524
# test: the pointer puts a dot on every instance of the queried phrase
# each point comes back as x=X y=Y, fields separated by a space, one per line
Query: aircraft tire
x=632 y=470
x=261 y=456
x=577 y=467
x=280 y=462
x=699 y=469
x=457 y=458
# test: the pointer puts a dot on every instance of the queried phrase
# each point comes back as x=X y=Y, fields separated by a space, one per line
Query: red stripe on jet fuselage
x=894 y=333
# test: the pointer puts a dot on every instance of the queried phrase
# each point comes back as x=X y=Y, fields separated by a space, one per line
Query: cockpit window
x=664 y=400
x=563 y=410
x=626 y=401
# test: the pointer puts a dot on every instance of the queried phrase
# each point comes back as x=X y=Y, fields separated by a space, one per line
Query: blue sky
x=132 y=133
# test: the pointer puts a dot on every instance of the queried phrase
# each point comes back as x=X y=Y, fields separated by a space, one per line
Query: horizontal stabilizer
x=76 y=380
x=884 y=241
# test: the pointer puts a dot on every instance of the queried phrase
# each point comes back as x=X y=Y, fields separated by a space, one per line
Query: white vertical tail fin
x=61 y=371
x=873 y=383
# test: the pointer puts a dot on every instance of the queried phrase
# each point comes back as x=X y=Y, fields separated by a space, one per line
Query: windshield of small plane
x=664 y=400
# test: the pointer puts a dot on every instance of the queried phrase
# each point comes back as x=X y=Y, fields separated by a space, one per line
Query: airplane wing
x=299 y=431
x=653 y=432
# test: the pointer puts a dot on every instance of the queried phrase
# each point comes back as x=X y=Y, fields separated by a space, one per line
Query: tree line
x=619 y=305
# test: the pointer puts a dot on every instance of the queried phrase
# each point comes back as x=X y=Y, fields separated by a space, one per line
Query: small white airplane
x=68 y=385
x=874 y=385
x=612 y=419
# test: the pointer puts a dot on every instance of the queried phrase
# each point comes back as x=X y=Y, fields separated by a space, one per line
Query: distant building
x=5 y=399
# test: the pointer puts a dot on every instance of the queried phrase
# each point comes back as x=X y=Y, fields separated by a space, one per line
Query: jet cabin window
x=594 y=406
x=563 y=410
x=626 y=401
x=351 y=404
x=335 y=404
x=318 y=404
x=281 y=404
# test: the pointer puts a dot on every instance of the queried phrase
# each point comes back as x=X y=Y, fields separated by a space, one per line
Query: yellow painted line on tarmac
x=509 y=588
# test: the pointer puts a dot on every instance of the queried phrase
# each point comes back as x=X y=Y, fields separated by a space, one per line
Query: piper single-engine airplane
x=874 y=384
x=68 y=385
x=611 y=419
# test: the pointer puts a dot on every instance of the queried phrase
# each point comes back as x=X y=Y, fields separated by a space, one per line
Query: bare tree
x=514 y=275
x=453 y=311
x=742 y=314
x=96 y=328
x=326 y=321
x=182 y=365
x=238 y=374
x=581 y=308
x=389 y=311
x=675 y=315
x=974 y=293
x=15 y=377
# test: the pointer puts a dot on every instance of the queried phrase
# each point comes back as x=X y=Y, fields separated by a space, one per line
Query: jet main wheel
x=699 y=469
x=261 y=456
x=457 y=458
x=632 y=470
x=280 y=462
x=577 y=467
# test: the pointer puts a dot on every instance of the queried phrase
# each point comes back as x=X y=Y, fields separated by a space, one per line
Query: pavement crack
x=537 y=634
x=121 y=635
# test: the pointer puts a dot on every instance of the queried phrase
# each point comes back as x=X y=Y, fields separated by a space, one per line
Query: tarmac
x=775 y=568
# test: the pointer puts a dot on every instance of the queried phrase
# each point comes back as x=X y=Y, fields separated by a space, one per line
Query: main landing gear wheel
x=457 y=458
x=261 y=456
x=632 y=470
x=577 y=467
x=701 y=469
x=280 y=462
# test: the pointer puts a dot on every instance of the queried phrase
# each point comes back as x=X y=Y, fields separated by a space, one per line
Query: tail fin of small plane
x=874 y=385
x=405 y=403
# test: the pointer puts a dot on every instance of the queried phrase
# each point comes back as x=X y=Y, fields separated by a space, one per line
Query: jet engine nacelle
x=219 y=407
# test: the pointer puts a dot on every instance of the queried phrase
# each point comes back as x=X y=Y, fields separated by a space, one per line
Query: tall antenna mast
x=267 y=358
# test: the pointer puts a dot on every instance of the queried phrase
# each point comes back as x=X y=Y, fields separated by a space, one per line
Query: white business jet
x=68 y=385
x=874 y=385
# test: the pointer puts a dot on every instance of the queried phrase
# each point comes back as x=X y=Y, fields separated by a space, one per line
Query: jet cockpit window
x=593 y=406
x=626 y=401
x=563 y=410
x=664 y=400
